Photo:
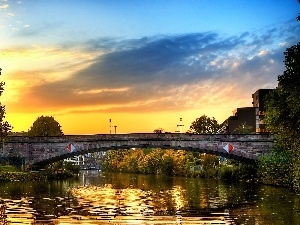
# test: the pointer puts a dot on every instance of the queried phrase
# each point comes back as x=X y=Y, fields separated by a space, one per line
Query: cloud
x=4 y=7
x=42 y=29
x=185 y=58
x=166 y=72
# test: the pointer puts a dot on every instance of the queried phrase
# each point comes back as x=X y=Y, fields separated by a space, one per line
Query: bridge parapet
x=141 y=136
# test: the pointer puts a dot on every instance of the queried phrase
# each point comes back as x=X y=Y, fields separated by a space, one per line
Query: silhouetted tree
x=45 y=126
x=159 y=130
x=5 y=127
x=283 y=119
x=283 y=103
x=204 y=125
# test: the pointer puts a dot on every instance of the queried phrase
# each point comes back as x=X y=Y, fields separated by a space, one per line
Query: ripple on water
x=106 y=205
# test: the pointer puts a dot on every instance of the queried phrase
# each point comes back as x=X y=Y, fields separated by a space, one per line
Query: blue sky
x=69 y=19
x=150 y=61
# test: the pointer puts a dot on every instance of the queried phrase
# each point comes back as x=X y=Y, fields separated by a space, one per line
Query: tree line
x=283 y=119
x=175 y=163
x=282 y=167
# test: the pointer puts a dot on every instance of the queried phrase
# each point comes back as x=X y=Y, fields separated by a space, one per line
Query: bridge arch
x=106 y=149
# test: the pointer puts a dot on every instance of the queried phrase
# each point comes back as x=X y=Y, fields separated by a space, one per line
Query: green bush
x=8 y=168
x=61 y=170
x=175 y=163
x=275 y=169
x=21 y=176
x=226 y=173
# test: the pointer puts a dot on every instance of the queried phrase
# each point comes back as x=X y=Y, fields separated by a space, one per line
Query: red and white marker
x=228 y=148
x=71 y=147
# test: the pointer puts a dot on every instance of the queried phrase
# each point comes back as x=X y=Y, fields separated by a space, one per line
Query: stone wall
x=38 y=149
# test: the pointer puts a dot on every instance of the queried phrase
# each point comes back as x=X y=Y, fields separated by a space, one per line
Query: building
x=245 y=115
x=258 y=102
x=251 y=116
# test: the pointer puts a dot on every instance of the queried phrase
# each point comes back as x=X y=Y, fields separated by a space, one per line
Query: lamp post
x=110 y=126
x=180 y=126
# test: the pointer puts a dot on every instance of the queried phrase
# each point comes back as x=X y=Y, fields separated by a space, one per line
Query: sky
x=143 y=64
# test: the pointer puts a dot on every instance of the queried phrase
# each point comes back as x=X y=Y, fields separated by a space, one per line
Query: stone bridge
x=44 y=150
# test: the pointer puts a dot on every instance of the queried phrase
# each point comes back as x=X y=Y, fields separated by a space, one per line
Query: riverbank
x=34 y=176
x=11 y=173
x=22 y=176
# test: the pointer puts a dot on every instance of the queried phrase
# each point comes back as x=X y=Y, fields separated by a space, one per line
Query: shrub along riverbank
x=176 y=163
x=273 y=169
x=58 y=170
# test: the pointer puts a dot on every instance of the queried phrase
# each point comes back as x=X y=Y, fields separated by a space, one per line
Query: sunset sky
x=144 y=64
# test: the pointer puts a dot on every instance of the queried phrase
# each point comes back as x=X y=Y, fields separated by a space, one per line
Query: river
x=115 y=198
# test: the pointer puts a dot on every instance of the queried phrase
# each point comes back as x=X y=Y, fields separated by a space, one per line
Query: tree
x=45 y=126
x=283 y=103
x=159 y=130
x=204 y=125
x=243 y=129
x=283 y=119
x=283 y=116
x=5 y=127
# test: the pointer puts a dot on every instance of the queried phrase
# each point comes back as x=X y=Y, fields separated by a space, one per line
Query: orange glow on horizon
x=96 y=123
x=35 y=75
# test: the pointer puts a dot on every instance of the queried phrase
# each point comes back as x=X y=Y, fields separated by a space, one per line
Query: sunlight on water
x=120 y=199
x=135 y=206
x=17 y=211
x=178 y=197
x=105 y=205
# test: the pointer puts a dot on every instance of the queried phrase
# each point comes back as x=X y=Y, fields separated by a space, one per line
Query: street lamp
x=180 y=126
x=110 y=126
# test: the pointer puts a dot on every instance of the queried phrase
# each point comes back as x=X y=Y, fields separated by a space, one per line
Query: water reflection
x=98 y=198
